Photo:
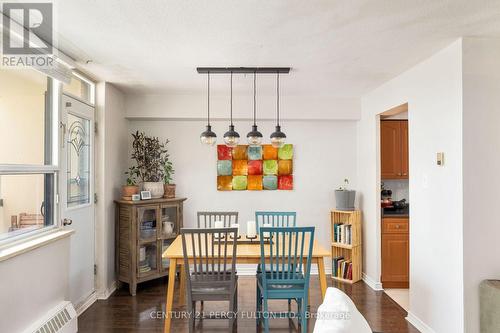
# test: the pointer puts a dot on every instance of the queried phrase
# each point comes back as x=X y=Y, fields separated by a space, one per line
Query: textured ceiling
x=340 y=49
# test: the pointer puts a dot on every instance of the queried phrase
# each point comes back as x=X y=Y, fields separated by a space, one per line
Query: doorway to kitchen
x=395 y=206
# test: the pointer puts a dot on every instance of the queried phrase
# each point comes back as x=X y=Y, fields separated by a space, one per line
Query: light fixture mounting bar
x=243 y=70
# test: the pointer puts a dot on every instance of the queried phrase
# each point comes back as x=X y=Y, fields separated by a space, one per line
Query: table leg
x=182 y=284
x=322 y=276
x=170 y=295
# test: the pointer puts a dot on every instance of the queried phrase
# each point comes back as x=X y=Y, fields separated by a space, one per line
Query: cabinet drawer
x=395 y=225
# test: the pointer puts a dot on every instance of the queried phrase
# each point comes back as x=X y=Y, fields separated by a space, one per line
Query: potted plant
x=168 y=171
x=131 y=188
x=149 y=155
x=345 y=198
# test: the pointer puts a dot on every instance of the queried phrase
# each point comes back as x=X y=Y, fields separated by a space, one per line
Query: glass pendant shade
x=231 y=137
x=254 y=137
x=208 y=137
x=278 y=138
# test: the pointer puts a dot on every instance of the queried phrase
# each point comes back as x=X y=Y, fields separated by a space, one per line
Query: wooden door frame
x=393 y=111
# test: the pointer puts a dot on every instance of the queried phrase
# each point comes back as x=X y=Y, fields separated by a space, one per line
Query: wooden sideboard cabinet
x=144 y=229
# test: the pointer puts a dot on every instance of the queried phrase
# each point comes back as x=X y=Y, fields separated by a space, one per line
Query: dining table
x=246 y=253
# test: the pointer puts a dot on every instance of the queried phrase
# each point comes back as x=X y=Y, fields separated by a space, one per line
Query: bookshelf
x=346 y=245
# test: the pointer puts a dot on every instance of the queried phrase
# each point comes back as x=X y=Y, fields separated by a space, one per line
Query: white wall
x=433 y=92
x=481 y=139
x=194 y=106
x=32 y=284
x=111 y=162
x=325 y=153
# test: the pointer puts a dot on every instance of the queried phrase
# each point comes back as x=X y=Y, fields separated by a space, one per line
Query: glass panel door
x=165 y=262
x=147 y=263
x=78 y=161
x=147 y=224
x=169 y=222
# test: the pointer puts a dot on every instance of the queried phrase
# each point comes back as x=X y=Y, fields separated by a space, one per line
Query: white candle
x=217 y=225
x=236 y=225
x=251 y=229
x=267 y=225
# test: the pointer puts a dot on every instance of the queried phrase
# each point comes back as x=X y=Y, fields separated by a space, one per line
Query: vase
x=345 y=199
x=169 y=191
x=156 y=189
x=128 y=191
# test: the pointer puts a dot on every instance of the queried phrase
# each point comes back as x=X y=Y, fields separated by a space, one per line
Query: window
x=28 y=152
x=81 y=88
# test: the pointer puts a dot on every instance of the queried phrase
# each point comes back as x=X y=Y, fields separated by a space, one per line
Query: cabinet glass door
x=147 y=222
x=147 y=263
x=169 y=222
x=165 y=262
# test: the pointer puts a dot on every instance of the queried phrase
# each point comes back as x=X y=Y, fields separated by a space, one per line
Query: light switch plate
x=440 y=159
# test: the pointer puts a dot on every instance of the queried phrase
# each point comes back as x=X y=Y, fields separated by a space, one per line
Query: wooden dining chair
x=210 y=265
x=286 y=271
x=276 y=219
x=207 y=219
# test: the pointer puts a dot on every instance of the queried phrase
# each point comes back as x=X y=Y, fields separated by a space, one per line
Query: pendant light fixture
x=254 y=137
x=278 y=138
x=231 y=137
x=208 y=137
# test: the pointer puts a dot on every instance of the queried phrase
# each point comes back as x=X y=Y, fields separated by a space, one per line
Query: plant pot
x=344 y=199
x=169 y=191
x=156 y=189
x=128 y=191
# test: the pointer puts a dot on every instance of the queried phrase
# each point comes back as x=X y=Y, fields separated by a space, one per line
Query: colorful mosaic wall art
x=254 y=168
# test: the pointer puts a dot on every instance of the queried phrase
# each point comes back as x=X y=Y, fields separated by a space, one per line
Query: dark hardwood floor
x=124 y=313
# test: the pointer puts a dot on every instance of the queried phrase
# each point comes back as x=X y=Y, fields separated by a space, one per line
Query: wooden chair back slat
x=276 y=219
x=207 y=219
x=290 y=253
x=207 y=251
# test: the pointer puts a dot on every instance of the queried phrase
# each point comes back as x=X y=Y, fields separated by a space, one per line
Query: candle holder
x=231 y=236
x=251 y=238
x=219 y=237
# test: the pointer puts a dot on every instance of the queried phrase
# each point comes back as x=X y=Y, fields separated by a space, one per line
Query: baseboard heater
x=61 y=319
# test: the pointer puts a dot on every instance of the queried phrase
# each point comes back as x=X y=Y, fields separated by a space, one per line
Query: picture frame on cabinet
x=145 y=195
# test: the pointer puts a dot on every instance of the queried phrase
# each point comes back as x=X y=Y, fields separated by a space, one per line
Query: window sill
x=29 y=244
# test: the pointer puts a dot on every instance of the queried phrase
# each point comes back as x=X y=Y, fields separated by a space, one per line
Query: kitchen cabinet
x=395 y=252
x=394 y=149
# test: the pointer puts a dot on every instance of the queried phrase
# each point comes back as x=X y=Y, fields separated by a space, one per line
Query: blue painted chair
x=286 y=272
x=276 y=219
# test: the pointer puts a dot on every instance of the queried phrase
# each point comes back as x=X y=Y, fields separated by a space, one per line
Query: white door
x=77 y=194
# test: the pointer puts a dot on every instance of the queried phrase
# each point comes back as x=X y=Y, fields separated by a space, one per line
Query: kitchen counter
x=386 y=213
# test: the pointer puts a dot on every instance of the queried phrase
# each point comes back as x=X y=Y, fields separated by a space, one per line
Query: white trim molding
x=419 y=324
x=81 y=307
x=107 y=292
x=26 y=244
x=377 y=286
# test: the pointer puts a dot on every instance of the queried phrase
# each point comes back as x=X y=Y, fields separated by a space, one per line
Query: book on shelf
x=335 y=262
x=342 y=268
x=342 y=233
